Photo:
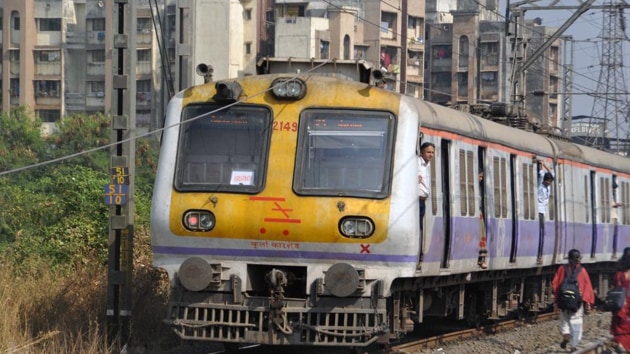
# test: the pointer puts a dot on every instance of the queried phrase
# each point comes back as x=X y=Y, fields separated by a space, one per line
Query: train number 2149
x=279 y=125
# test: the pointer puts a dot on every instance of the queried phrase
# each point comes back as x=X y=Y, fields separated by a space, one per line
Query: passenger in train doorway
x=427 y=151
x=620 y=324
x=571 y=321
x=545 y=178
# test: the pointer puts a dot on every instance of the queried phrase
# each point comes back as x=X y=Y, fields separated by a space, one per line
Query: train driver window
x=344 y=152
x=223 y=148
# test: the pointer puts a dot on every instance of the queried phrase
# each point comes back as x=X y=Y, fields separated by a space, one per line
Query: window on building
x=463 y=52
x=97 y=88
x=388 y=22
x=14 y=88
x=462 y=84
x=46 y=88
x=15 y=18
x=97 y=56
x=96 y=24
x=489 y=53
x=442 y=51
x=143 y=85
x=248 y=48
x=49 y=24
x=415 y=58
x=144 y=55
x=144 y=24
x=360 y=52
x=14 y=56
x=324 y=49
x=46 y=56
x=412 y=22
x=48 y=115
x=248 y=14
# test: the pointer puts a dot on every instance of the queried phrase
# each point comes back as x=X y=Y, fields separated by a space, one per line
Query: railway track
x=433 y=342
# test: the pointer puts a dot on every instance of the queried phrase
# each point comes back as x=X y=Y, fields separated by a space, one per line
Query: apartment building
x=57 y=58
x=387 y=35
x=469 y=62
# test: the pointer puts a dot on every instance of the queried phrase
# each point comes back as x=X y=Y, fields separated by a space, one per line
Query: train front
x=273 y=212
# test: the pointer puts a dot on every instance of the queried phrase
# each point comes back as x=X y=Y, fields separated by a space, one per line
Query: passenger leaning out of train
x=571 y=322
x=427 y=151
x=545 y=178
x=620 y=324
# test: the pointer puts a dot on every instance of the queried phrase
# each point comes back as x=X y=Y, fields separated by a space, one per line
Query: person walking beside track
x=620 y=324
x=571 y=321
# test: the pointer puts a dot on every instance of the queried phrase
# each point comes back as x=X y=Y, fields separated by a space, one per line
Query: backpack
x=569 y=297
x=615 y=299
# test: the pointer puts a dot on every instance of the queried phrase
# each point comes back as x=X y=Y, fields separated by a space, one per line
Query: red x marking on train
x=365 y=248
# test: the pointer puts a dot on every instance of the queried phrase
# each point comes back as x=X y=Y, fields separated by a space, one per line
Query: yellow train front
x=284 y=208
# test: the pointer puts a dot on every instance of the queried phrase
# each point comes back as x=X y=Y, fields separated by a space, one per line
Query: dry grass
x=45 y=313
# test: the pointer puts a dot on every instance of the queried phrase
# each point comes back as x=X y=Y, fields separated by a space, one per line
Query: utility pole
x=567 y=85
x=610 y=107
x=520 y=63
x=119 y=192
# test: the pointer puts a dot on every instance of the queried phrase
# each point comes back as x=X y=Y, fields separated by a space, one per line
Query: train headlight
x=341 y=279
x=199 y=220
x=195 y=274
x=288 y=88
x=356 y=227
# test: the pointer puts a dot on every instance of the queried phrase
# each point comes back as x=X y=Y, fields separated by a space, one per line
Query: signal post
x=118 y=193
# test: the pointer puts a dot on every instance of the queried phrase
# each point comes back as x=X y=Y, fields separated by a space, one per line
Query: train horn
x=206 y=71
x=378 y=77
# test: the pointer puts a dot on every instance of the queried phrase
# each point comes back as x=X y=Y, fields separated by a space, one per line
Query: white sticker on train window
x=242 y=177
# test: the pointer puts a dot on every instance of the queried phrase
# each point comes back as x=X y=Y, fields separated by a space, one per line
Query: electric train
x=285 y=212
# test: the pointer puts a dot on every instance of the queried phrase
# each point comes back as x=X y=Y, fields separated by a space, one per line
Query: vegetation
x=54 y=230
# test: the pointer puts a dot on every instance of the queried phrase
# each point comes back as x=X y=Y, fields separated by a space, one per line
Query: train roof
x=465 y=124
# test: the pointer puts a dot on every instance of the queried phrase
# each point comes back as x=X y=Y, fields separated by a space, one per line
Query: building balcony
x=48 y=99
x=49 y=39
x=416 y=44
x=48 y=68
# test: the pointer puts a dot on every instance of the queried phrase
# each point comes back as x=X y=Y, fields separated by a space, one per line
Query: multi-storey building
x=469 y=61
x=388 y=35
x=221 y=34
x=57 y=58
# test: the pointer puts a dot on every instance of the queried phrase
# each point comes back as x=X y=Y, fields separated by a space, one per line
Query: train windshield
x=223 y=149
x=344 y=152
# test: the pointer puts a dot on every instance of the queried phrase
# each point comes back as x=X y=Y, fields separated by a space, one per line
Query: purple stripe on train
x=233 y=252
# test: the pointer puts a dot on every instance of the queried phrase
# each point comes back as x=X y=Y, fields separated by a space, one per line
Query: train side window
x=605 y=202
x=500 y=184
x=466 y=183
x=529 y=192
x=625 y=203
x=586 y=203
